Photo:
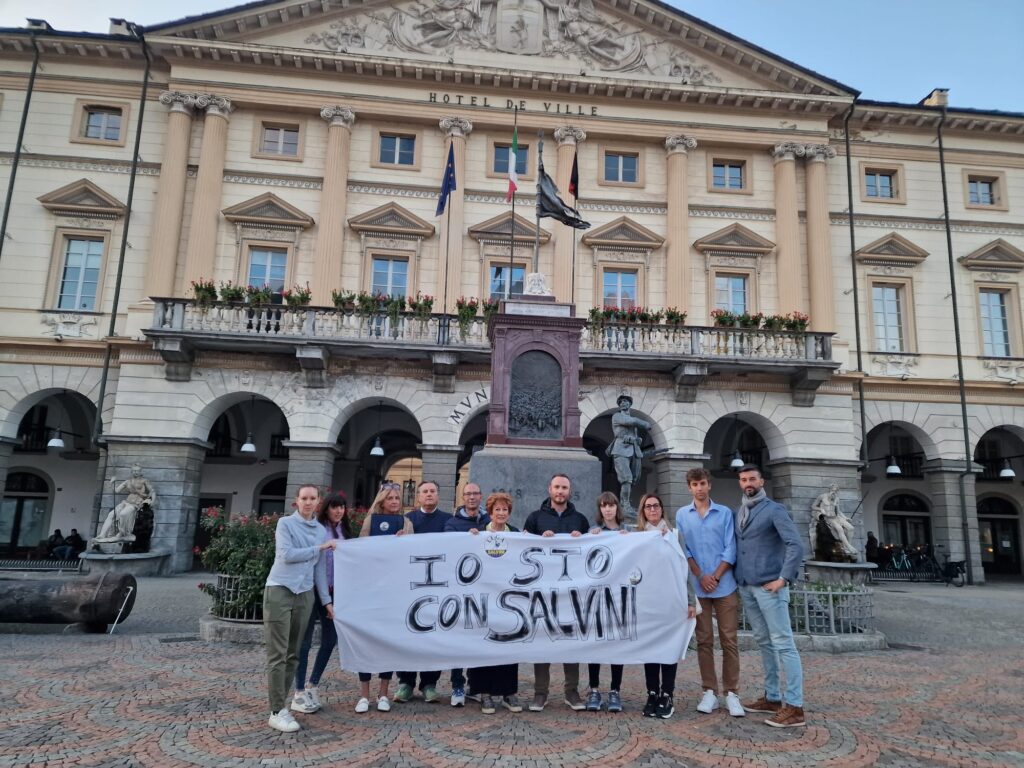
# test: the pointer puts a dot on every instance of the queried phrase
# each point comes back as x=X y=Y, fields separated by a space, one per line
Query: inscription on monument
x=535 y=397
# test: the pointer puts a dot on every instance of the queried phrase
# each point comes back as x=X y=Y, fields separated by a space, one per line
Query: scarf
x=747 y=503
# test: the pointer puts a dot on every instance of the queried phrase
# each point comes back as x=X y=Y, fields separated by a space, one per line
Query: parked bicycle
x=901 y=562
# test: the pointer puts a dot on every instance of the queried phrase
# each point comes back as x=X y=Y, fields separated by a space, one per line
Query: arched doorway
x=376 y=443
x=731 y=442
x=24 y=513
x=906 y=521
x=270 y=496
x=999 y=532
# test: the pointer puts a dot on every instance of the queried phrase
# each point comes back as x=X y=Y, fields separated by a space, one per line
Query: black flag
x=550 y=205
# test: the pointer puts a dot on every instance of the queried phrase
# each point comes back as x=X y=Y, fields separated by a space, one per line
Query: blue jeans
x=768 y=615
x=328 y=641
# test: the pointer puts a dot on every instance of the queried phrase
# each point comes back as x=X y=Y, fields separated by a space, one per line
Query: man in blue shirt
x=709 y=532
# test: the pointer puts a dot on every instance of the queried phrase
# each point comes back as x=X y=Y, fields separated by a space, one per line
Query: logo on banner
x=495 y=546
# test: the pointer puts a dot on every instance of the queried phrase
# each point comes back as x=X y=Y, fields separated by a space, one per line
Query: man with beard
x=768 y=557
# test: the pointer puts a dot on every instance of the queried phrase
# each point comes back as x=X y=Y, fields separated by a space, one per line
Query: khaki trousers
x=542 y=678
x=726 y=611
x=285 y=616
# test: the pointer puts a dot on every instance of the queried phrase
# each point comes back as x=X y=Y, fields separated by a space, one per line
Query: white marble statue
x=826 y=507
x=120 y=522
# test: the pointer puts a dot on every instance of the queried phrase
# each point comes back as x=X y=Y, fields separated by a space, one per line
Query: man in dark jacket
x=426 y=518
x=556 y=515
x=768 y=556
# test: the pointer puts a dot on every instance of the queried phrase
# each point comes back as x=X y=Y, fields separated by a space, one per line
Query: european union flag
x=449 y=181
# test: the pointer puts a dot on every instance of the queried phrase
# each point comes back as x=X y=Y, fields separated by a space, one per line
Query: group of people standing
x=752 y=555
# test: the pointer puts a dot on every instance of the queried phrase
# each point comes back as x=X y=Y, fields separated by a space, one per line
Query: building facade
x=292 y=144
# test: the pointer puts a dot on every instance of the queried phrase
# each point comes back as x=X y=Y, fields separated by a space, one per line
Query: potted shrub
x=674 y=316
x=747 y=320
x=465 y=310
x=343 y=300
x=370 y=303
x=231 y=292
x=421 y=305
x=241 y=552
x=204 y=290
x=489 y=307
x=393 y=306
x=258 y=294
x=774 y=322
x=298 y=296
x=797 y=321
x=723 y=318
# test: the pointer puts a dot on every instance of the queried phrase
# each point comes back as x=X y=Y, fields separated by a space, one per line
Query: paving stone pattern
x=950 y=694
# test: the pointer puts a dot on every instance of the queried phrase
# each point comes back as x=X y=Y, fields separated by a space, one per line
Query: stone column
x=819 y=251
x=798 y=482
x=174 y=467
x=678 y=281
x=672 y=487
x=309 y=464
x=206 y=201
x=568 y=138
x=947 y=517
x=452 y=229
x=787 y=228
x=170 y=194
x=440 y=464
x=330 y=238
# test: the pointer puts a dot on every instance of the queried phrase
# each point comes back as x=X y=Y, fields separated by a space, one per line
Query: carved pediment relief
x=623 y=232
x=572 y=37
x=997 y=256
x=734 y=239
x=83 y=198
x=893 y=250
x=391 y=219
x=268 y=210
x=496 y=230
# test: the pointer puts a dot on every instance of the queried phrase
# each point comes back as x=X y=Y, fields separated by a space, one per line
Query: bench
x=42 y=565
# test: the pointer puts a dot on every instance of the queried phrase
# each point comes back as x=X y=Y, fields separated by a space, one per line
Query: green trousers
x=285 y=616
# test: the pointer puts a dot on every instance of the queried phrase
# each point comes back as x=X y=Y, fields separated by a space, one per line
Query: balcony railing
x=708 y=342
x=314 y=324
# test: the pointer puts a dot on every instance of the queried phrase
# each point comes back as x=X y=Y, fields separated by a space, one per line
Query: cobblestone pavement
x=950 y=693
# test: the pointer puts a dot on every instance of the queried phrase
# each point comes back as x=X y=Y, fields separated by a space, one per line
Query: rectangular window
x=888 y=313
x=80 y=276
x=280 y=140
x=102 y=123
x=727 y=174
x=619 y=288
x=501 y=159
x=995 y=323
x=499 y=286
x=390 y=276
x=396 y=149
x=879 y=184
x=268 y=266
x=731 y=293
x=981 y=191
x=621 y=167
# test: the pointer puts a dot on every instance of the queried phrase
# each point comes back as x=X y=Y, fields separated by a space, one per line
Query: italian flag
x=513 y=159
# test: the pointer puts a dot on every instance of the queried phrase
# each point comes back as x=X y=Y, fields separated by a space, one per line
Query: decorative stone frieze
x=819 y=152
x=680 y=143
x=788 y=150
x=338 y=115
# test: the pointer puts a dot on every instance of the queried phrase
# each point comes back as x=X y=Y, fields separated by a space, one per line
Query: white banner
x=444 y=600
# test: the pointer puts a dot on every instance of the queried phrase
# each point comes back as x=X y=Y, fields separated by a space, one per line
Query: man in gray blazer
x=768 y=557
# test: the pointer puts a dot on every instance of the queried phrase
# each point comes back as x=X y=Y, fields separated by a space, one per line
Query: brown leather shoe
x=787 y=717
x=763 y=705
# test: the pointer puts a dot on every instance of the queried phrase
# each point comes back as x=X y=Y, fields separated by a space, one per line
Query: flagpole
x=447 y=240
x=536 y=234
x=512 y=222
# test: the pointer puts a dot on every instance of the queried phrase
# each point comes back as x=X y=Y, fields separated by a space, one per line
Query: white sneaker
x=284 y=722
x=363 y=706
x=383 y=705
x=732 y=702
x=708 y=702
x=301 y=703
x=313 y=696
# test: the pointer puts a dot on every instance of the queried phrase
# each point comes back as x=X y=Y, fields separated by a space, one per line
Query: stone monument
x=626 y=452
x=533 y=425
x=119 y=527
x=833 y=545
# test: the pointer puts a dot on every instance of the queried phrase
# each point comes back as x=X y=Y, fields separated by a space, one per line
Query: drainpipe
x=97 y=434
x=968 y=456
x=17 y=146
x=856 y=289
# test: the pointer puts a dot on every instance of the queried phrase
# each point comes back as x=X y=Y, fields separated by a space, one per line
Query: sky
x=890 y=50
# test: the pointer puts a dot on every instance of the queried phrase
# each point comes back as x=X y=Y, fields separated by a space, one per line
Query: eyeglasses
x=390 y=487
x=652 y=505
x=472 y=493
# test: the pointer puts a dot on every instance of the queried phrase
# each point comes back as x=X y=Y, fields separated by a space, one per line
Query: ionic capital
x=679 y=144
x=178 y=101
x=213 y=104
x=819 y=152
x=787 y=150
x=455 y=126
x=338 y=116
x=570 y=134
